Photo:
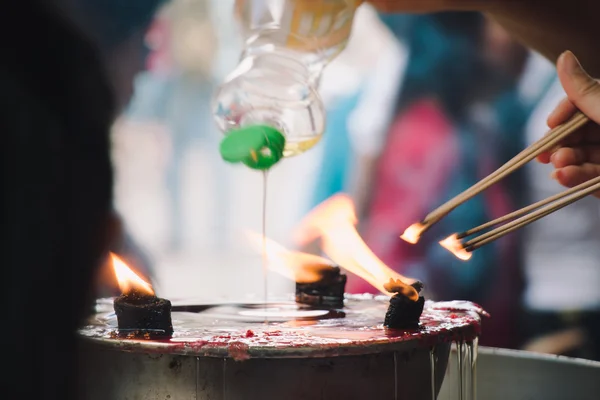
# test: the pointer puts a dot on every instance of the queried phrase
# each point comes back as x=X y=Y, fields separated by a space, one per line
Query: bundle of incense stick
x=542 y=208
x=518 y=219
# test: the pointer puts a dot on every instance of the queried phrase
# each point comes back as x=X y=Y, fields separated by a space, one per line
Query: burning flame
x=454 y=246
x=412 y=234
x=127 y=279
x=334 y=222
x=296 y=266
x=397 y=286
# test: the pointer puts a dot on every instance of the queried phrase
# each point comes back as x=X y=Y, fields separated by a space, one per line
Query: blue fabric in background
x=336 y=162
x=444 y=57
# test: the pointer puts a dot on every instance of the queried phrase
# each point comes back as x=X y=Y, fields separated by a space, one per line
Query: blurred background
x=419 y=109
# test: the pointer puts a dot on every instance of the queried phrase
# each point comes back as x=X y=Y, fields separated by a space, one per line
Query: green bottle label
x=256 y=146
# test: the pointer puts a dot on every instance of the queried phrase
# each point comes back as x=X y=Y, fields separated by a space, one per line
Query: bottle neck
x=307 y=63
x=280 y=63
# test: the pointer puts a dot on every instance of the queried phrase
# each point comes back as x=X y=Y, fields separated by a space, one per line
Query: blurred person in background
x=350 y=83
x=459 y=116
x=65 y=74
x=176 y=90
x=368 y=123
x=357 y=121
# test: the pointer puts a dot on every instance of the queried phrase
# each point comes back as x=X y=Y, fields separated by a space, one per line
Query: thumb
x=581 y=89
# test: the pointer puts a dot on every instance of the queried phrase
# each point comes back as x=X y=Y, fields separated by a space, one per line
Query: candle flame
x=397 y=286
x=296 y=266
x=128 y=280
x=412 y=234
x=454 y=246
x=333 y=221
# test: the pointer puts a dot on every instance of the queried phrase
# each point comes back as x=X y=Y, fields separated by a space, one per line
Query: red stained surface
x=361 y=331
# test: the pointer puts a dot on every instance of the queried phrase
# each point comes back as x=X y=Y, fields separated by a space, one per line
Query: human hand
x=577 y=159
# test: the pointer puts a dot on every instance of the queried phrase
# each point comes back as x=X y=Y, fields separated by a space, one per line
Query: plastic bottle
x=269 y=106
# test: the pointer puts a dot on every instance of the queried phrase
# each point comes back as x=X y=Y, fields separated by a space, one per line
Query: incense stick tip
x=412 y=234
x=454 y=246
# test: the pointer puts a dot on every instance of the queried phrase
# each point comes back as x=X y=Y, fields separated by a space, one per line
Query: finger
x=567 y=156
x=576 y=156
x=574 y=175
x=581 y=89
x=587 y=135
x=574 y=139
x=544 y=158
x=561 y=113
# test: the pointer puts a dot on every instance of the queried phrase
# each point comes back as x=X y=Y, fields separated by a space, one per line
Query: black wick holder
x=142 y=314
x=403 y=312
x=326 y=292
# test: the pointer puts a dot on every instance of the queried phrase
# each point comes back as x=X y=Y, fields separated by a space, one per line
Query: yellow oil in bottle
x=300 y=145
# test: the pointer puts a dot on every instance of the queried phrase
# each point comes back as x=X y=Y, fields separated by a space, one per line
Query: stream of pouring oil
x=265 y=267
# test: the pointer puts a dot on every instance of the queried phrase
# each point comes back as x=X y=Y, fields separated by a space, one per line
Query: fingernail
x=570 y=63
x=552 y=156
x=553 y=175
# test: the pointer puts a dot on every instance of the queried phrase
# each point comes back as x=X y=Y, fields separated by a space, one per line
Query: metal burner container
x=114 y=371
x=227 y=352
